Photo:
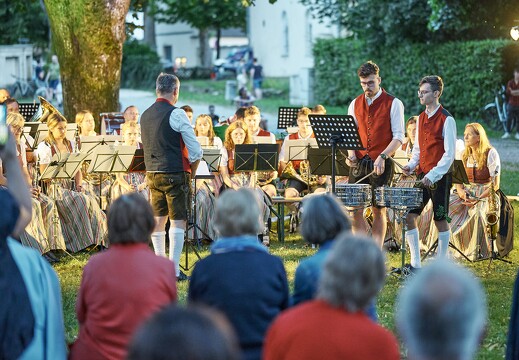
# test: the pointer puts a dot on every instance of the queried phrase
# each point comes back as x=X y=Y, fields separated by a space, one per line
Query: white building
x=282 y=37
x=15 y=61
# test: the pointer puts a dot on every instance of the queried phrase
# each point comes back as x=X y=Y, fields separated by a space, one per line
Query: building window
x=284 y=24
x=168 y=52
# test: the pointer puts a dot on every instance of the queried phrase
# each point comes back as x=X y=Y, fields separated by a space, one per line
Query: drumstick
x=365 y=177
x=384 y=156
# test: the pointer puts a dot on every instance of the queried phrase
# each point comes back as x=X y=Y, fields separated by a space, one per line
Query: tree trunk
x=203 y=37
x=149 y=29
x=88 y=37
x=218 y=37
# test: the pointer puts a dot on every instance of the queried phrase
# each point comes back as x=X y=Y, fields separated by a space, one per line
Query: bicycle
x=21 y=87
x=494 y=114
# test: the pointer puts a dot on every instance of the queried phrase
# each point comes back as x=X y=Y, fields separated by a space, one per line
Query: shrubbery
x=141 y=66
x=472 y=71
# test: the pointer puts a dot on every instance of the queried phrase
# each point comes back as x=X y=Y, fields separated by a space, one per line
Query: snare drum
x=396 y=197
x=354 y=194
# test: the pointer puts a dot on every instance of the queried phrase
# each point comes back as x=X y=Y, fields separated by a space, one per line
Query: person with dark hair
x=176 y=333
x=122 y=286
x=12 y=105
x=441 y=313
x=31 y=317
x=239 y=277
x=171 y=156
x=215 y=118
x=319 y=110
x=189 y=112
x=323 y=219
x=432 y=157
x=131 y=114
x=334 y=325
x=512 y=118
x=410 y=129
x=380 y=121
x=256 y=74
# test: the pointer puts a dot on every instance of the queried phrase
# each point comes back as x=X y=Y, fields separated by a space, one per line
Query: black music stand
x=27 y=110
x=256 y=157
x=107 y=159
x=335 y=131
x=287 y=116
x=137 y=164
x=320 y=161
x=212 y=157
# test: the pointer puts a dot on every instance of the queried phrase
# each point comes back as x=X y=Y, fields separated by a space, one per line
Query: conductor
x=171 y=155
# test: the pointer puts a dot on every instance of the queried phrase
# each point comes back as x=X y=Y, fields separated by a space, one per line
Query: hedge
x=471 y=71
x=140 y=67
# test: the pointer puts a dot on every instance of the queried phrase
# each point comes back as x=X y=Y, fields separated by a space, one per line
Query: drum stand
x=401 y=216
x=451 y=245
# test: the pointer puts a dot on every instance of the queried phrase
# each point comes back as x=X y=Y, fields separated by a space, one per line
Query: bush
x=471 y=71
x=140 y=67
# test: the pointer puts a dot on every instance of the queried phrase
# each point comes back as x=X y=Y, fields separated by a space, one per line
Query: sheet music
x=298 y=149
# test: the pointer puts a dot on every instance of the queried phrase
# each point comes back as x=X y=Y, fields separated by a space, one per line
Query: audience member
x=441 y=313
x=239 y=277
x=512 y=119
x=256 y=74
x=123 y=286
x=53 y=77
x=31 y=318
x=335 y=326
x=193 y=333
x=215 y=118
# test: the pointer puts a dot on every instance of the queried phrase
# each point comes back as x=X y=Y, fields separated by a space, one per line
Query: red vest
x=263 y=133
x=481 y=176
x=295 y=136
x=374 y=124
x=430 y=139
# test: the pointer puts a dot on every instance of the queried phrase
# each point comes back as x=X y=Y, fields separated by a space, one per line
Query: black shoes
x=407 y=270
x=182 y=277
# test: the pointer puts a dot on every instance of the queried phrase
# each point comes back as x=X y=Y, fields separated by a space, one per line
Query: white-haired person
x=335 y=325
x=31 y=314
x=111 y=307
x=239 y=277
x=441 y=313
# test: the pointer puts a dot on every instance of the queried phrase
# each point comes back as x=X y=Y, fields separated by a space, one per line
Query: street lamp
x=514 y=33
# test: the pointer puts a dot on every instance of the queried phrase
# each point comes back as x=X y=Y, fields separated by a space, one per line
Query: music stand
x=335 y=131
x=137 y=164
x=287 y=116
x=256 y=157
x=212 y=157
x=42 y=131
x=110 y=159
x=320 y=161
x=459 y=175
x=27 y=110
x=90 y=143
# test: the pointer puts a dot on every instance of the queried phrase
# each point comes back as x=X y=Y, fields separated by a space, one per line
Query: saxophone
x=492 y=215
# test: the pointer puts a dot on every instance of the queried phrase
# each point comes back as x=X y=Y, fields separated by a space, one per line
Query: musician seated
x=410 y=128
x=189 y=112
x=253 y=119
x=204 y=128
x=131 y=181
x=296 y=184
x=319 y=110
x=86 y=123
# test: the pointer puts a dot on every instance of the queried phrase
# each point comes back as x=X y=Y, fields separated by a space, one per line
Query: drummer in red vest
x=432 y=156
x=252 y=119
x=380 y=121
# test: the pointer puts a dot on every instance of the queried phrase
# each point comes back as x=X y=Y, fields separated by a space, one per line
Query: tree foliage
x=23 y=19
x=391 y=22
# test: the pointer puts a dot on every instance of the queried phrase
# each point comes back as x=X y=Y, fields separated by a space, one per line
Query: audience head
x=237 y=213
x=192 y=333
x=12 y=105
x=17 y=122
x=189 y=112
x=410 y=128
x=323 y=219
x=353 y=273
x=252 y=118
x=441 y=313
x=4 y=95
x=131 y=114
x=130 y=220
x=85 y=121
x=131 y=133
x=167 y=87
x=319 y=110
x=57 y=125
x=204 y=127
x=236 y=133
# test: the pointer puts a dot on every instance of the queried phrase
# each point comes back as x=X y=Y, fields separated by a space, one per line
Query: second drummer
x=380 y=120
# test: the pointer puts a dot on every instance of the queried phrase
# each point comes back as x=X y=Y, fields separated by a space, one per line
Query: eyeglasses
x=367 y=83
x=423 y=92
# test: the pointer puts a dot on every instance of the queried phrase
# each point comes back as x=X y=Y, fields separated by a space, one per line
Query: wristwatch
x=383 y=156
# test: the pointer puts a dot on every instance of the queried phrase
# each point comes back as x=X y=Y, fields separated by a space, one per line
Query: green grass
x=498 y=283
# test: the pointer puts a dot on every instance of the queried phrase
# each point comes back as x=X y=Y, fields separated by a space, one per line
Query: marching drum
x=398 y=197
x=354 y=194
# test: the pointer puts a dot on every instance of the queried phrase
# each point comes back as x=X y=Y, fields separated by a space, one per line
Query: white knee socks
x=414 y=247
x=158 y=240
x=443 y=243
x=176 y=243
